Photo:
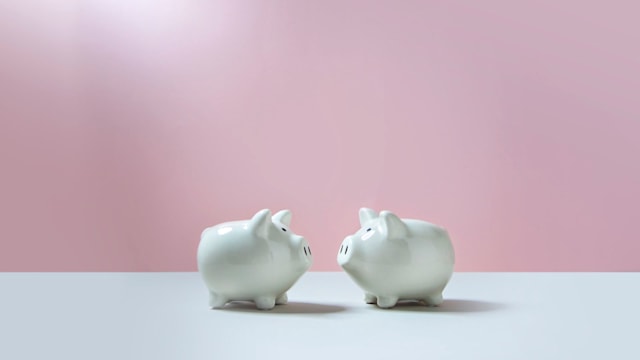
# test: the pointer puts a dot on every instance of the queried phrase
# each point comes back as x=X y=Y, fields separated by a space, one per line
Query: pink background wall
x=129 y=126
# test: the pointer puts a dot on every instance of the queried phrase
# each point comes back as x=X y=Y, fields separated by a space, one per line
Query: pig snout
x=345 y=252
x=304 y=251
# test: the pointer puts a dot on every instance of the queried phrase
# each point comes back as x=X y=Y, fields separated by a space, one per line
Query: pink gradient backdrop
x=129 y=126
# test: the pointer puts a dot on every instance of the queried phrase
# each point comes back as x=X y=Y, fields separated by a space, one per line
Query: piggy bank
x=253 y=260
x=394 y=259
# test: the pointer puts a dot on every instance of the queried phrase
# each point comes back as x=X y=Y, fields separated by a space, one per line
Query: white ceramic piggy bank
x=254 y=260
x=395 y=259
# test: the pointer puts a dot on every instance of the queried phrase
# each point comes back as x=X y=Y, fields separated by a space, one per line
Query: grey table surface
x=165 y=316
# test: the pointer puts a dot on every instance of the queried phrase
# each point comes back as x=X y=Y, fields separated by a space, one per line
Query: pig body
x=254 y=260
x=394 y=259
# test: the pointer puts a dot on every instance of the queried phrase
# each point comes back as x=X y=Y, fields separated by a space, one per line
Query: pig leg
x=265 y=302
x=433 y=299
x=370 y=298
x=216 y=301
x=387 y=302
x=282 y=299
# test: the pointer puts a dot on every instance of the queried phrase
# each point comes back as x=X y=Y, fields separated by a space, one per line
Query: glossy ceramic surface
x=254 y=260
x=394 y=259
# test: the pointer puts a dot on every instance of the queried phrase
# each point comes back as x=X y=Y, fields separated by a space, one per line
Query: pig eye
x=369 y=229
x=283 y=229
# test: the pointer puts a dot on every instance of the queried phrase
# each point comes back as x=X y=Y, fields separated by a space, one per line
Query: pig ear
x=283 y=216
x=367 y=215
x=393 y=225
x=259 y=223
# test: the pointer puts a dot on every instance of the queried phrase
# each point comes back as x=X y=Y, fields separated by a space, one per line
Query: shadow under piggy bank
x=450 y=306
x=289 y=308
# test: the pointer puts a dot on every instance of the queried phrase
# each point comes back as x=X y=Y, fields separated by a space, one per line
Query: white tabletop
x=165 y=316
